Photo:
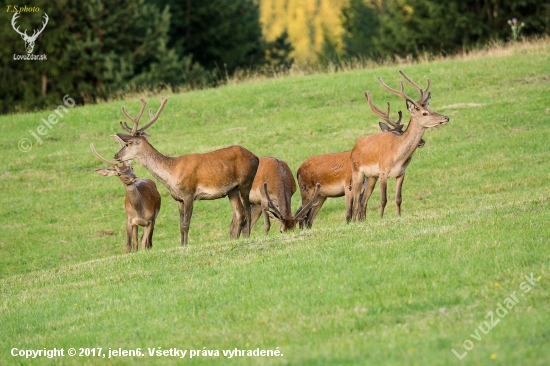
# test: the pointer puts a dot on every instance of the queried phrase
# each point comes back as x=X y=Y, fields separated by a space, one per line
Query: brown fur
x=225 y=172
x=333 y=171
x=281 y=188
x=142 y=203
x=387 y=155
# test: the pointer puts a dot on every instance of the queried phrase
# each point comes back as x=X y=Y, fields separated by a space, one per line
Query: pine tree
x=360 y=23
x=278 y=52
x=220 y=35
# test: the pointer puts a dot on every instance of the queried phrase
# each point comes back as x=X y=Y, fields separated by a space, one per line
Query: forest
x=101 y=50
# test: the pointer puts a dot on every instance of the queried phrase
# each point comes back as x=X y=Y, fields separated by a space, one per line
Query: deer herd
x=264 y=186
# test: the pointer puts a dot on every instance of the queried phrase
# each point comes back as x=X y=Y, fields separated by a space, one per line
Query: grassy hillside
x=385 y=291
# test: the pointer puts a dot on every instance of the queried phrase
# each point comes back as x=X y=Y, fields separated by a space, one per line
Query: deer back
x=281 y=184
x=333 y=171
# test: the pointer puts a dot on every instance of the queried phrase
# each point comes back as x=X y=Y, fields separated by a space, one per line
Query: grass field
x=393 y=291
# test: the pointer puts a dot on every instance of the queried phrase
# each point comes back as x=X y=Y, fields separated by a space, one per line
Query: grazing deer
x=275 y=176
x=387 y=155
x=142 y=203
x=333 y=171
x=226 y=172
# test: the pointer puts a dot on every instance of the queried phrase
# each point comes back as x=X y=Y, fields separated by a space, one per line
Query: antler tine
x=304 y=210
x=134 y=120
x=120 y=142
x=398 y=93
x=15 y=16
x=163 y=102
x=423 y=92
x=425 y=101
x=385 y=116
x=36 y=33
x=102 y=158
x=125 y=126
x=270 y=203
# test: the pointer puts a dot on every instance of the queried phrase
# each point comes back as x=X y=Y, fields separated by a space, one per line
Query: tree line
x=382 y=29
x=102 y=49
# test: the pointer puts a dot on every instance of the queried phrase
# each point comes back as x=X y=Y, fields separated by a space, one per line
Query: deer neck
x=159 y=165
x=134 y=196
x=411 y=138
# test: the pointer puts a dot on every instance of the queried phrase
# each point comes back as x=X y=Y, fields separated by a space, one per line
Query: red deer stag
x=333 y=171
x=226 y=172
x=274 y=179
x=387 y=155
x=142 y=203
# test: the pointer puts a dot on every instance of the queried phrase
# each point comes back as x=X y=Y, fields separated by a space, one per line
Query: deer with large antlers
x=274 y=179
x=333 y=171
x=142 y=203
x=387 y=155
x=226 y=172
x=29 y=40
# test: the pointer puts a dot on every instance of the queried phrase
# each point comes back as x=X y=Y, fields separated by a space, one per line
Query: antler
x=121 y=143
x=134 y=131
x=270 y=203
x=300 y=214
x=15 y=16
x=384 y=116
x=424 y=94
x=134 y=120
x=102 y=158
x=35 y=34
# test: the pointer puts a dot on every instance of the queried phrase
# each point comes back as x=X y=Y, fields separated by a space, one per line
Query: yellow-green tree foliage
x=304 y=21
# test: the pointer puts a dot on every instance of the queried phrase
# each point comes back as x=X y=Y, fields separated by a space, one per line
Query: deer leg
x=147 y=235
x=371 y=183
x=357 y=179
x=239 y=216
x=306 y=197
x=128 y=236
x=245 y=199
x=398 y=198
x=348 y=193
x=255 y=213
x=135 y=237
x=264 y=207
x=314 y=211
x=244 y=193
x=186 y=210
x=383 y=192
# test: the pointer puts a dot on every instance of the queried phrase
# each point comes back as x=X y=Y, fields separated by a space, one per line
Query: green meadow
x=393 y=291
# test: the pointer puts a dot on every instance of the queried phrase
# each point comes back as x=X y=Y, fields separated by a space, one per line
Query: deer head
x=124 y=171
x=29 y=40
x=419 y=109
x=132 y=143
x=289 y=223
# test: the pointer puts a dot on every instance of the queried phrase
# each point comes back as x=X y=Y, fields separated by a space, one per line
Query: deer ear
x=410 y=106
x=106 y=172
x=384 y=127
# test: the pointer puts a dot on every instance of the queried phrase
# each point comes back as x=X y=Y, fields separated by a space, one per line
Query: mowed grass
x=398 y=290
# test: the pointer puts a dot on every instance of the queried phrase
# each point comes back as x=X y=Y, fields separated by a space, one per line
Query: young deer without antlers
x=387 y=155
x=142 y=203
x=275 y=176
x=226 y=172
x=333 y=171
